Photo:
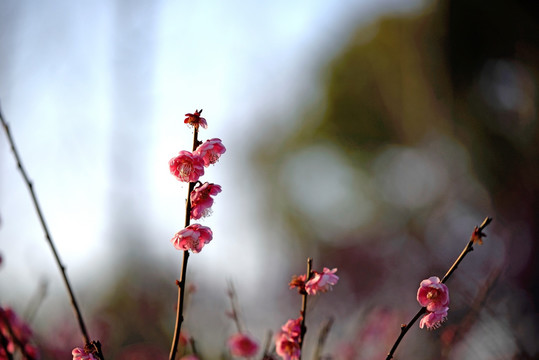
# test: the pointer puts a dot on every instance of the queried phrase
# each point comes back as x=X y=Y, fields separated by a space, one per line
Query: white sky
x=69 y=75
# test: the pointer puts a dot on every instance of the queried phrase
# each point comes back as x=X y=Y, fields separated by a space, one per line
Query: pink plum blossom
x=195 y=120
x=201 y=199
x=193 y=238
x=81 y=354
x=287 y=342
x=287 y=348
x=321 y=282
x=210 y=151
x=298 y=282
x=242 y=345
x=432 y=294
x=16 y=332
x=434 y=319
x=187 y=166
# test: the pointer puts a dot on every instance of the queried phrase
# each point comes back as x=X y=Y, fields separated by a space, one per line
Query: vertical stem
x=183 y=275
x=48 y=237
x=304 y=305
x=233 y=305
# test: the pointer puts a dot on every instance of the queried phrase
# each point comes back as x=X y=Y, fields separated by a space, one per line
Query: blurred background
x=370 y=135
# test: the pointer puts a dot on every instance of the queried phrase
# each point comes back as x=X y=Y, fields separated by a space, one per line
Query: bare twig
x=476 y=237
x=324 y=331
x=48 y=237
x=233 y=304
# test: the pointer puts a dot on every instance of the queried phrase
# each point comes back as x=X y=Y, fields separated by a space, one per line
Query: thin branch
x=183 y=275
x=234 y=304
x=324 y=332
x=36 y=301
x=476 y=237
x=303 y=311
x=48 y=237
x=267 y=352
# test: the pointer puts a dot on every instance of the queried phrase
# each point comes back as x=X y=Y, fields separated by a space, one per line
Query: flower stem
x=233 y=304
x=324 y=331
x=48 y=237
x=303 y=311
x=181 y=283
x=468 y=248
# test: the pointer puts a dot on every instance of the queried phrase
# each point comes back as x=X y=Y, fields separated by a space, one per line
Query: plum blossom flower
x=193 y=238
x=201 y=199
x=321 y=282
x=434 y=319
x=242 y=345
x=195 y=120
x=17 y=333
x=210 y=151
x=298 y=282
x=81 y=354
x=187 y=166
x=432 y=294
x=287 y=342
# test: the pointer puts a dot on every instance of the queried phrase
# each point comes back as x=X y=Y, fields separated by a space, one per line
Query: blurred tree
x=422 y=130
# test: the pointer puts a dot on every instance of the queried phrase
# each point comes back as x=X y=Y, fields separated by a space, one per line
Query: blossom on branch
x=193 y=238
x=187 y=166
x=210 y=151
x=287 y=344
x=434 y=296
x=321 y=282
x=242 y=345
x=81 y=354
x=201 y=199
x=434 y=319
x=195 y=120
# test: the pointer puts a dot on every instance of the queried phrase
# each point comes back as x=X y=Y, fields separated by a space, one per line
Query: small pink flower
x=201 y=200
x=321 y=282
x=298 y=282
x=287 y=342
x=292 y=328
x=434 y=319
x=187 y=167
x=195 y=120
x=242 y=345
x=287 y=348
x=80 y=354
x=432 y=294
x=193 y=238
x=14 y=330
x=210 y=151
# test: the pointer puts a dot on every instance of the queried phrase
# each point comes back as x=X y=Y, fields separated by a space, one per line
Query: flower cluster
x=242 y=345
x=287 y=344
x=17 y=335
x=289 y=339
x=319 y=282
x=434 y=296
x=189 y=167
